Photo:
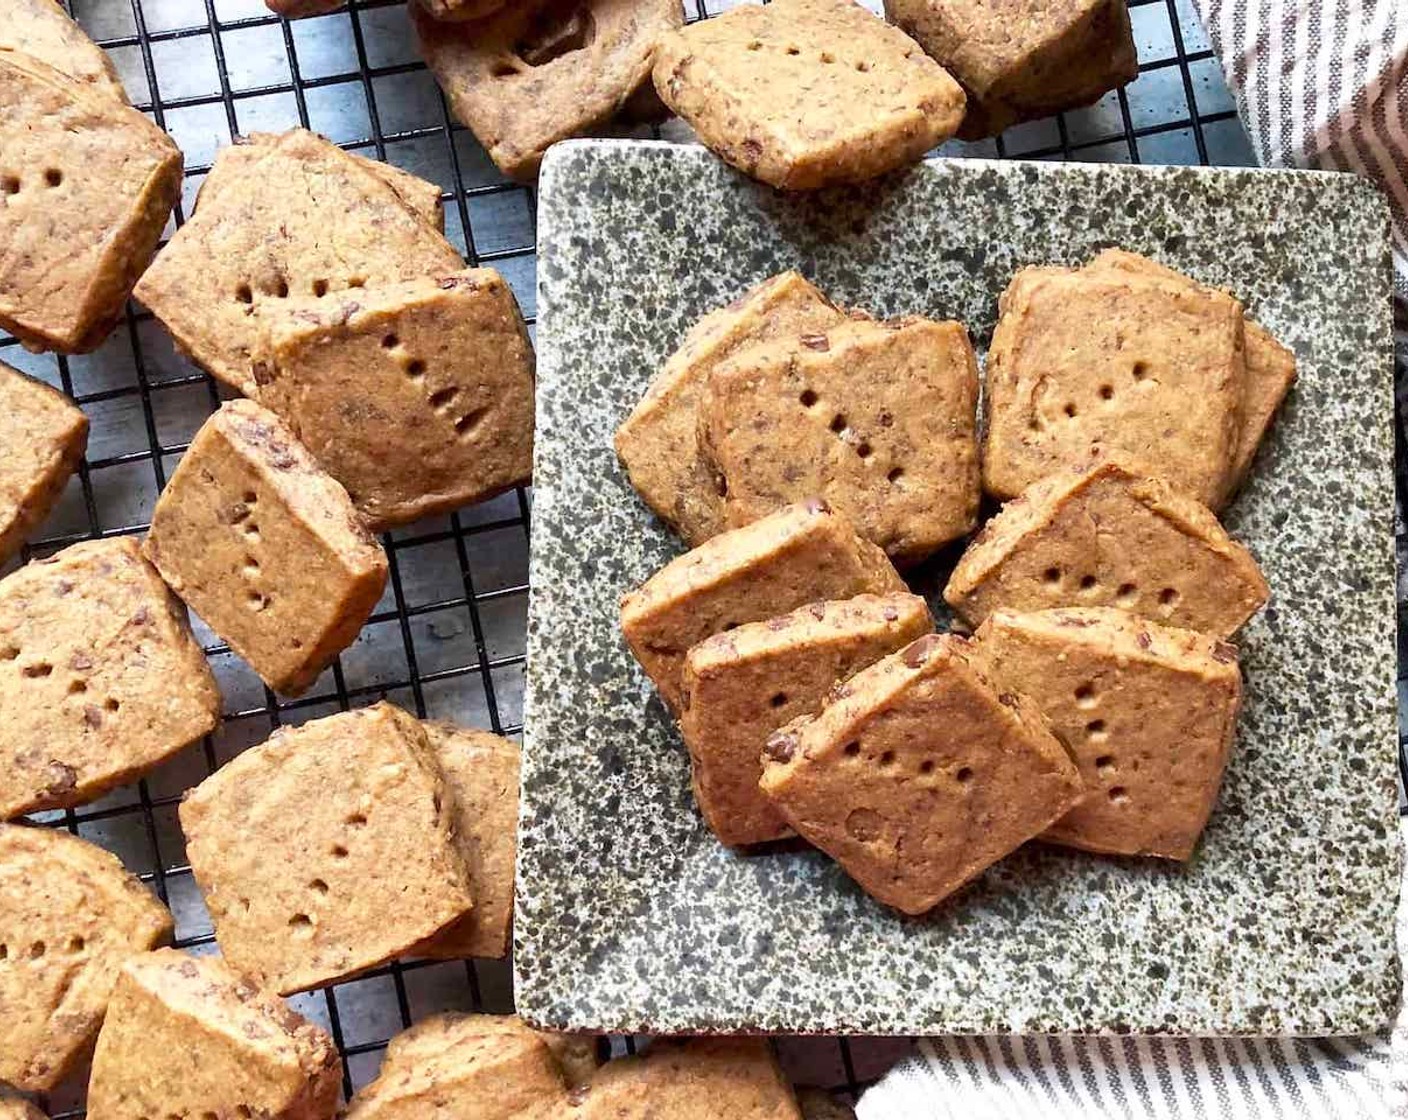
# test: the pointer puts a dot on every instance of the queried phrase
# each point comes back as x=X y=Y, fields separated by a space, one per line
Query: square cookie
x=806 y=93
x=417 y=396
x=658 y=443
x=87 y=184
x=1109 y=536
x=1147 y=711
x=918 y=774
x=693 y=1079
x=798 y=555
x=1093 y=361
x=100 y=678
x=266 y=547
x=44 y=435
x=742 y=685
x=189 y=1036
x=44 y=31
x=304 y=220
x=878 y=419
x=70 y=915
x=329 y=849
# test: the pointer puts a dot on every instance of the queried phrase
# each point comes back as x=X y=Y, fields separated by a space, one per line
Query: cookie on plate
x=417 y=396
x=919 y=773
x=1109 y=536
x=44 y=435
x=539 y=71
x=1106 y=360
x=86 y=186
x=878 y=419
x=190 y=1036
x=806 y=93
x=799 y=555
x=695 y=1079
x=742 y=685
x=305 y=220
x=329 y=849
x=43 y=30
x=658 y=443
x=266 y=547
x=100 y=678
x=1148 y=712
x=70 y=915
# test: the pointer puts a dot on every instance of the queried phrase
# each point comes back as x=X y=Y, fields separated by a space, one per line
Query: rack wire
x=447 y=639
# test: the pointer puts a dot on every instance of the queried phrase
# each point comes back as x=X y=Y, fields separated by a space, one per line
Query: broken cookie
x=44 y=435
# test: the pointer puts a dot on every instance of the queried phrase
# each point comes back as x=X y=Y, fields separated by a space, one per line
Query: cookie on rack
x=87 y=183
x=43 y=30
x=1148 y=712
x=799 y=555
x=539 y=71
x=742 y=685
x=100 y=678
x=44 y=435
x=920 y=773
x=329 y=849
x=878 y=419
x=266 y=547
x=417 y=396
x=806 y=93
x=1109 y=536
x=302 y=9
x=191 y=1036
x=70 y=916
x=462 y=9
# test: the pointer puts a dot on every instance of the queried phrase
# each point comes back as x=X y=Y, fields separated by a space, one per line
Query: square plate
x=631 y=917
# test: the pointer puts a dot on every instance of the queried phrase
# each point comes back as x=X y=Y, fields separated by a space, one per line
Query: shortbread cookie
x=328 y=850
x=658 y=442
x=1026 y=59
x=799 y=555
x=805 y=93
x=575 y=1055
x=70 y=915
x=44 y=435
x=482 y=772
x=1094 y=361
x=1148 y=711
x=100 y=678
x=741 y=686
x=919 y=774
x=539 y=71
x=1109 y=536
x=43 y=30
x=698 y=1079
x=417 y=397
x=17 y=1108
x=86 y=184
x=188 y=1036
x=305 y=220
x=266 y=547
x=879 y=419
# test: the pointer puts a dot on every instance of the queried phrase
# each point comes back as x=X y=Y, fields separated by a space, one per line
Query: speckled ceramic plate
x=631 y=917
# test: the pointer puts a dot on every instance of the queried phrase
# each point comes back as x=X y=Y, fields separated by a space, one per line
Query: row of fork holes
x=839 y=427
x=245 y=292
x=441 y=399
x=824 y=57
x=255 y=599
x=302 y=923
x=963 y=775
x=1139 y=371
x=13 y=184
x=1087 y=697
x=39 y=670
x=37 y=949
x=1126 y=593
x=242 y=1111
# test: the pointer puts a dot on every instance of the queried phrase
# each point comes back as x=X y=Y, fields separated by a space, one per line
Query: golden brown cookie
x=190 y=1036
x=44 y=435
x=305 y=220
x=43 y=30
x=417 y=396
x=539 y=71
x=1022 y=59
x=1109 y=536
x=266 y=547
x=481 y=770
x=806 y=93
x=87 y=184
x=100 y=678
x=658 y=443
x=1104 y=360
x=742 y=685
x=878 y=419
x=70 y=915
x=919 y=773
x=799 y=555
x=329 y=849
x=1148 y=712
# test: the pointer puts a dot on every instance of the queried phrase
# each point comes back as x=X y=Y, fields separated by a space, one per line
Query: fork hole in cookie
x=808 y=398
x=281 y=288
x=864 y=67
x=415 y=368
x=318 y=886
x=251 y=568
x=251 y=532
x=827 y=57
x=1085 y=696
x=927 y=766
x=390 y=341
x=1105 y=765
x=257 y=601
x=850 y=750
x=9 y=185
x=1070 y=410
x=339 y=851
x=1168 y=597
x=112 y=704
x=1140 y=371
x=469 y=421
x=794 y=51
x=838 y=423
x=53 y=176
x=356 y=820
x=356 y=281
x=755 y=45
x=864 y=450
x=895 y=475
x=244 y=293
x=1119 y=795
x=441 y=397
x=39 y=669
x=9 y=653
x=37 y=950
x=1125 y=594
x=302 y=925
x=1051 y=576
x=1107 y=392
x=963 y=774
x=320 y=288
x=1088 y=582
x=1096 y=729
x=75 y=687
x=77 y=944
x=4 y=952
x=778 y=699
x=886 y=758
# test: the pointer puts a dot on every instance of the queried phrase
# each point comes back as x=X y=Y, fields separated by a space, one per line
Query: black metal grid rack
x=447 y=640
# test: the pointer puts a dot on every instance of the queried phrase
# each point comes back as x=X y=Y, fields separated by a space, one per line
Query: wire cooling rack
x=447 y=640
